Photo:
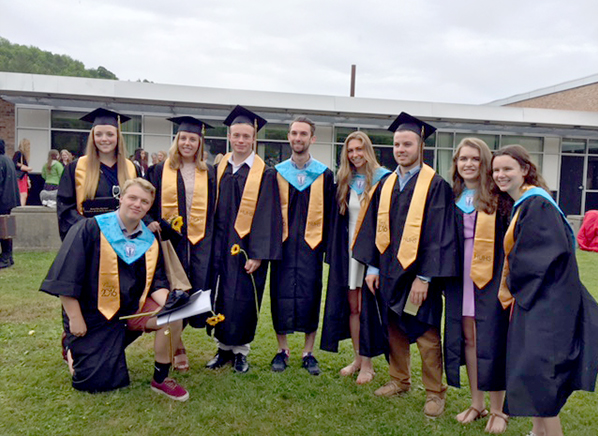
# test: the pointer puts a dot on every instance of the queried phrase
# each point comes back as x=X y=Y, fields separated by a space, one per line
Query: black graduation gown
x=337 y=310
x=99 y=356
x=435 y=258
x=296 y=280
x=235 y=296
x=552 y=345
x=194 y=258
x=492 y=321
x=9 y=188
x=66 y=198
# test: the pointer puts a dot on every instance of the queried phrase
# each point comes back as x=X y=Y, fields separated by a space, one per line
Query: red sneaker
x=171 y=389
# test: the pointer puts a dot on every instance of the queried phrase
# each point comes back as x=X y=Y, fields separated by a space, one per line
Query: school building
x=558 y=125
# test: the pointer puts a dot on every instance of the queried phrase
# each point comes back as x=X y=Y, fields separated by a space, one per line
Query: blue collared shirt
x=309 y=161
x=403 y=180
x=138 y=230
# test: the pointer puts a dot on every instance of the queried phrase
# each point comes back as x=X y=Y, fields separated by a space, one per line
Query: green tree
x=28 y=59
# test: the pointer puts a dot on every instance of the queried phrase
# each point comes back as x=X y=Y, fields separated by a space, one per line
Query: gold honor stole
x=196 y=225
x=482 y=262
x=412 y=231
x=250 y=195
x=108 y=279
x=362 y=211
x=81 y=171
x=504 y=294
x=314 y=226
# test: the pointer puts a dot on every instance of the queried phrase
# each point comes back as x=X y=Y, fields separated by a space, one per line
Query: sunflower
x=177 y=224
x=235 y=249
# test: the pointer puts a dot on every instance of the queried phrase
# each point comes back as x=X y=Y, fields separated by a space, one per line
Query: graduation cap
x=102 y=117
x=240 y=115
x=407 y=122
x=190 y=124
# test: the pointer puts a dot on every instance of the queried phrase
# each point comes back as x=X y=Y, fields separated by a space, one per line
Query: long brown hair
x=92 y=176
x=521 y=155
x=346 y=170
x=175 y=156
x=484 y=198
x=53 y=155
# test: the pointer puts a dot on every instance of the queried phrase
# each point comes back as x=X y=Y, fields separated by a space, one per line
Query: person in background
x=475 y=322
x=9 y=199
x=66 y=157
x=52 y=171
x=154 y=157
x=21 y=161
x=552 y=340
x=140 y=159
x=359 y=171
x=162 y=155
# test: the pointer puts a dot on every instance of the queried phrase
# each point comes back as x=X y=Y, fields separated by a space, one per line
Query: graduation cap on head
x=190 y=124
x=240 y=115
x=105 y=117
x=407 y=122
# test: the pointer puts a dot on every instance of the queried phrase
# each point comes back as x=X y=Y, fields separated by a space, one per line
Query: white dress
x=356 y=269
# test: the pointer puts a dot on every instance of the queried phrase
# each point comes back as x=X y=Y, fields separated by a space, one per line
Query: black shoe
x=241 y=364
x=311 y=364
x=221 y=358
x=280 y=362
x=5 y=263
x=11 y=260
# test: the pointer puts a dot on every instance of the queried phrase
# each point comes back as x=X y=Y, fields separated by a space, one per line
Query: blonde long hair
x=483 y=200
x=92 y=176
x=25 y=148
x=53 y=155
x=175 y=156
x=346 y=170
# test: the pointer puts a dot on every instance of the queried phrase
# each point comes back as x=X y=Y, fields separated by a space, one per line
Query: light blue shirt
x=309 y=161
x=403 y=180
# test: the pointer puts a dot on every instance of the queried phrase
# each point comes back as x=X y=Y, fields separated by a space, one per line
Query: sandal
x=472 y=414
x=365 y=377
x=180 y=362
x=493 y=417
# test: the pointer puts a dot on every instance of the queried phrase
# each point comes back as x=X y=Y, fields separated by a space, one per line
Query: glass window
x=274 y=131
x=385 y=157
x=569 y=145
x=431 y=143
x=379 y=137
x=37 y=118
x=133 y=125
x=215 y=146
x=444 y=161
x=275 y=152
x=593 y=146
x=592 y=178
x=445 y=140
x=591 y=201
x=69 y=120
x=490 y=140
x=75 y=142
x=132 y=143
x=531 y=144
x=341 y=133
x=429 y=156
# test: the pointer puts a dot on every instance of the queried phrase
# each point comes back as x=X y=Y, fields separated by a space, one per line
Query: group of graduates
x=494 y=245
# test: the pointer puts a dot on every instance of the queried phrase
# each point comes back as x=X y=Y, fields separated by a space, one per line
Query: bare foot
x=350 y=369
x=365 y=376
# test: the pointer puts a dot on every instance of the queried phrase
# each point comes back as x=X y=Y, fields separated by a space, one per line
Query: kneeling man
x=110 y=266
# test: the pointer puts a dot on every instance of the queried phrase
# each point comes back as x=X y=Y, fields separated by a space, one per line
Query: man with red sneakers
x=109 y=267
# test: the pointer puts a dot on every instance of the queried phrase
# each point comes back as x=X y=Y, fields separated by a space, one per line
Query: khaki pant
x=430 y=349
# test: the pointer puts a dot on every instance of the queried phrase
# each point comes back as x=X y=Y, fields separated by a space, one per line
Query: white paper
x=199 y=303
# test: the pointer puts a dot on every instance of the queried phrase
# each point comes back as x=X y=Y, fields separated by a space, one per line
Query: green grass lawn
x=36 y=397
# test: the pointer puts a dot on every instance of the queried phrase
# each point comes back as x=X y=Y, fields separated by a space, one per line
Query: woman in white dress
x=358 y=172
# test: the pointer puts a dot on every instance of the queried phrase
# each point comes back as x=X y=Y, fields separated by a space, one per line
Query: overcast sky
x=460 y=51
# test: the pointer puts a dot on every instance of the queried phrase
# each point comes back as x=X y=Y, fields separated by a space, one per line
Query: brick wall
x=584 y=98
x=7 y=126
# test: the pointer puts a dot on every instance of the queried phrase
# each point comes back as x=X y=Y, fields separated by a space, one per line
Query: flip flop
x=493 y=417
